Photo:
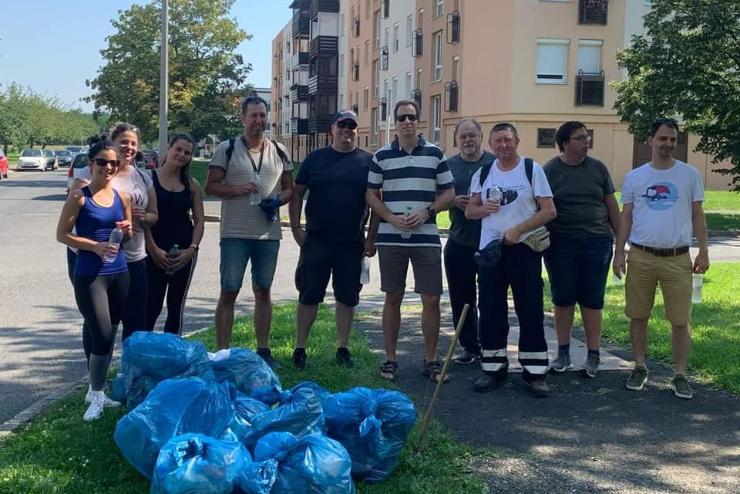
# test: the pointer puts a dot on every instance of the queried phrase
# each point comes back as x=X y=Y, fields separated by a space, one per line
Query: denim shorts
x=578 y=268
x=236 y=252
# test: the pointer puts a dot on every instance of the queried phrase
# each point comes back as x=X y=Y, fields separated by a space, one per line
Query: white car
x=75 y=169
x=32 y=159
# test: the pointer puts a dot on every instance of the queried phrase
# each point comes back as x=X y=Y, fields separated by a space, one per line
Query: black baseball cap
x=344 y=115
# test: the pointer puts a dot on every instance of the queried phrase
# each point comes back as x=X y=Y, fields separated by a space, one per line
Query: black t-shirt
x=463 y=230
x=336 y=183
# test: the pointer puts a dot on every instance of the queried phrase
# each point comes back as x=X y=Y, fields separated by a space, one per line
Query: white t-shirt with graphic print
x=518 y=203
x=662 y=204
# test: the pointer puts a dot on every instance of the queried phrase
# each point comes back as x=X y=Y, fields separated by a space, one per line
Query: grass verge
x=59 y=453
x=723 y=221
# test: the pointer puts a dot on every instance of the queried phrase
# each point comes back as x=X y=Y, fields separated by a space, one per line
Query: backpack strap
x=230 y=150
x=280 y=152
x=484 y=171
x=529 y=169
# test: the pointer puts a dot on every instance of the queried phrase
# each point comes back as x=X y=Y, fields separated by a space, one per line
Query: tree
x=687 y=65
x=14 y=117
x=204 y=70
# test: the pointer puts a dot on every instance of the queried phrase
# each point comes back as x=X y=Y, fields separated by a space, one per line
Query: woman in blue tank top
x=170 y=270
x=100 y=278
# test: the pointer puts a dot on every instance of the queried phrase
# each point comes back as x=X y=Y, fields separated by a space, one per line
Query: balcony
x=300 y=58
x=386 y=9
x=590 y=89
x=299 y=92
x=301 y=19
x=322 y=84
x=319 y=123
x=299 y=126
x=451 y=96
x=417 y=43
x=323 y=46
x=453 y=27
x=316 y=6
x=593 y=11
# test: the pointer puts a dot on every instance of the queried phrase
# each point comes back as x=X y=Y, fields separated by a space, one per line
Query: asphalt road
x=40 y=347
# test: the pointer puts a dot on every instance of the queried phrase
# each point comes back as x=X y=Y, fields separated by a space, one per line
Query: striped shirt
x=410 y=181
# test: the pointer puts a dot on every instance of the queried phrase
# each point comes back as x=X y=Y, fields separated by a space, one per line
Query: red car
x=3 y=165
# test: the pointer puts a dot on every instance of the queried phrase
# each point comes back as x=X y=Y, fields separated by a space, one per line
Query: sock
x=564 y=350
x=594 y=353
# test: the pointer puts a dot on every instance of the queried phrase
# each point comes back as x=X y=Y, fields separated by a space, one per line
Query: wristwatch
x=431 y=212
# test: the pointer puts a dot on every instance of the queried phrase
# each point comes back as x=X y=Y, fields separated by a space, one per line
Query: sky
x=52 y=46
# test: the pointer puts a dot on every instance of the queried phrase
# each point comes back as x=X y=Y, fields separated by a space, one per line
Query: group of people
x=507 y=212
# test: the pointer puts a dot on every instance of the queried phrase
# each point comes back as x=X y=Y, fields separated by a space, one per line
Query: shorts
x=319 y=260
x=425 y=261
x=236 y=252
x=645 y=271
x=578 y=269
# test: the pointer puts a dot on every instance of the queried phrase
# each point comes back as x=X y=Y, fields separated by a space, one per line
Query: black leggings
x=176 y=287
x=134 y=318
x=101 y=301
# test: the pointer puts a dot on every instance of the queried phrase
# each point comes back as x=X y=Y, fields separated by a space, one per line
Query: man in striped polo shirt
x=409 y=181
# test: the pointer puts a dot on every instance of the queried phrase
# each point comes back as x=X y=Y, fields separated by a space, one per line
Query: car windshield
x=63 y=153
x=80 y=161
x=31 y=153
x=74 y=149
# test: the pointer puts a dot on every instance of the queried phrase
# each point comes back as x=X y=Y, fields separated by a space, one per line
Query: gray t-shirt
x=239 y=219
x=578 y=192
x=462 y=230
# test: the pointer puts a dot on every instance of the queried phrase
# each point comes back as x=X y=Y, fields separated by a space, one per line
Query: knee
x=261 y=295
x=430 y=300
x=227 y=298
x=394 y=299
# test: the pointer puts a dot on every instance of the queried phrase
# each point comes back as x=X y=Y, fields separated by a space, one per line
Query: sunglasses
x=403 y=118
x=103 y=162
x=346 y=124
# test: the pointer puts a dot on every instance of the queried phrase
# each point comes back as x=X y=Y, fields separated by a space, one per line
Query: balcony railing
x=300 y=58
x=299 y=126
x=319 y=123
x=301 y=20
x=323 y=84
x=299 y=92
x=451 y=96
x=323 y=46
x=593 y=11
x=417 y=43
x=317 y=6
x=589 y=89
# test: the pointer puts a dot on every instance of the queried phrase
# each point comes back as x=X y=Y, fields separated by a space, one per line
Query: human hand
x=701 y=262
x=491 y=206
x=104 y=249
x=160 y=259
x=370 y=248
x=511 y=236
x=416 y=218
x=299 y=235
x=125 y=227
x=399 y=221
x=176 y=263
x=461 y=202
x=619 y=264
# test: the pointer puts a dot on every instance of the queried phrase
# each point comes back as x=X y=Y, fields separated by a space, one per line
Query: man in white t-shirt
x=662 y=208
x=513 y=200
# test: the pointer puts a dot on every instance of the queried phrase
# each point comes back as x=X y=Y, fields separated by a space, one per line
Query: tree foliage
x=206 y=75
x=687 y=65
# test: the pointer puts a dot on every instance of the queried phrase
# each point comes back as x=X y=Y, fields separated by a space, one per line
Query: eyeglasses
x=103 y=162
x=346 y=124
x=403 y=118
x=584 y=137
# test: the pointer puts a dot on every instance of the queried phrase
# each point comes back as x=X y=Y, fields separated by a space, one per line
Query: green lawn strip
x=722 y=221
x=58 y=452
x=721 y=200
x=715 y=327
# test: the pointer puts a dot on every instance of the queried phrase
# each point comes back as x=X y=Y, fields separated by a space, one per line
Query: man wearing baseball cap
x=333 y=241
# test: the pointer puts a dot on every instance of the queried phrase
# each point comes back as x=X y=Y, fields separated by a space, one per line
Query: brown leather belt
x=676 y=251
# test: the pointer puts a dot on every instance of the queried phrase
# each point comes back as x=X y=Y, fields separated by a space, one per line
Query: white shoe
x=107 y=402
x=95 y=410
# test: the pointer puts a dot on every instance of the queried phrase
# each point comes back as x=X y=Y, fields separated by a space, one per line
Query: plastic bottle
x=406 y=234
x=256 y=197
x=116 y=236
x=697 y=282
x=174 y=252
x=365 y=273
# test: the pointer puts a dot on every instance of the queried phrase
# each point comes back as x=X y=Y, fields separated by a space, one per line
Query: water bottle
x=174 y=252
x=697 y=282
x=406 y=234
x=116 y=236
x=495 y=194
x=365 y=273
x=256 y=197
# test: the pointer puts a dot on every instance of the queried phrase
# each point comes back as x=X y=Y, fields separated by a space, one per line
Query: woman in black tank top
x=172 y=244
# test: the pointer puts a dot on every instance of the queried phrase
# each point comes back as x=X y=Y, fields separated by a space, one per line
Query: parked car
x=147 y=159
x=4 y=165
x=51 y=160
x=74 y=149
x=75 y=169
x=32 y=159
x=65 y=157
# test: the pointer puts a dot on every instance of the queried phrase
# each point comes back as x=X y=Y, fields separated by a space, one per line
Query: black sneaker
x=266 y=355
x=466 y=357
x=491 y=380
x=344 y=358
x=538 y=388
x=299 y=358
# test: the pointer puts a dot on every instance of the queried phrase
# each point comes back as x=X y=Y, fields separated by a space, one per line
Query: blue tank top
x=96 y=222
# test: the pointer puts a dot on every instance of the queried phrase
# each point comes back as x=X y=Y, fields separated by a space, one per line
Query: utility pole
x=163 y=83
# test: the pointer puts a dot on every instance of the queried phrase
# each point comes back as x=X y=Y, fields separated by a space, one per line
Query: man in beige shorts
x=662 y=208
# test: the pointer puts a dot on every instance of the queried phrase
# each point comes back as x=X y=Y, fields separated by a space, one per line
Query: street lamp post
x=163 y=82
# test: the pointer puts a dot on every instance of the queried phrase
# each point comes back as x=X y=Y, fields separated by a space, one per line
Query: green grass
x=715 y=327
x=716 y=200
x=58 y=452
x=723 y=221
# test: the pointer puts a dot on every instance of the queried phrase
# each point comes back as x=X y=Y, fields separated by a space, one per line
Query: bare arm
x=199 y=215
x=625 y=226
x=215 y=185
x=546 y=214
x=699 y=224
x=612 y=209
x=286 y=187
x=372 y=233
x=294 y=213
x=476 y=209
x=374 y=199
x=151 y=215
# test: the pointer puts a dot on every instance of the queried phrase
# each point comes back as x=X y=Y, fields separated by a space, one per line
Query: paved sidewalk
x=590 y=435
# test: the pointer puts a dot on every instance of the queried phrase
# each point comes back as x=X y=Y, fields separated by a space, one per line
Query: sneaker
x=266 y=355
x=637 y=379
x=95 y=410
x=561 y=364
x=107 y=402
x=681 y=388
x=466 y=357
x=591 y=365
x=344 y=358
x=299 y=358
x=491 y=380
x=538 y=388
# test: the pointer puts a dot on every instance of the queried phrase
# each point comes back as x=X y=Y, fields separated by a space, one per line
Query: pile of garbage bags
x=222 y=423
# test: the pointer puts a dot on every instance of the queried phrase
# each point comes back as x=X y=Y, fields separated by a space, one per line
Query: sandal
x=433 y=370
x=389 y=369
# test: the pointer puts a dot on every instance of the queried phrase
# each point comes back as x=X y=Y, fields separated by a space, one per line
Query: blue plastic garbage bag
x=245 y=369
x=300 y=412
x=194 y=463
x=312 y=464
x=173 y=408
x=373 y=425
x=150 y=358
x=244 y=409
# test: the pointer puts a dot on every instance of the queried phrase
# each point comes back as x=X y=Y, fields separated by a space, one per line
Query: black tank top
x=174 y=225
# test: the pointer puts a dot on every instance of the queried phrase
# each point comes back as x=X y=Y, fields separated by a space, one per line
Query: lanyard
x=257 y=168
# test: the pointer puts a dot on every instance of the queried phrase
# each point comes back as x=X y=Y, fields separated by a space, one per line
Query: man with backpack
x=253 y=177
x=513 y=200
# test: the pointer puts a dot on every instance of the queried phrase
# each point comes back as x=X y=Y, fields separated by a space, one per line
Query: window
x=409 y=30
x=396 y=30
x=366 y=55
x=341 y=26
x=367 y=9
x=418 y=43
x=376 y=78
x=439 y=7
x=374 y=126
x=552 y=61
x=394 y=91
x=376 y=29
x=341 y=65
x=386 y=9
x=451 y=95
x=408 y=88
x=366 y=98
x=356 y=27
x=384 y=58
x=341 y=101
x=589 y=56
x=453 y=27
x=593 y=11
x=545 y=138
x=437 y=56
x=436 y=119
